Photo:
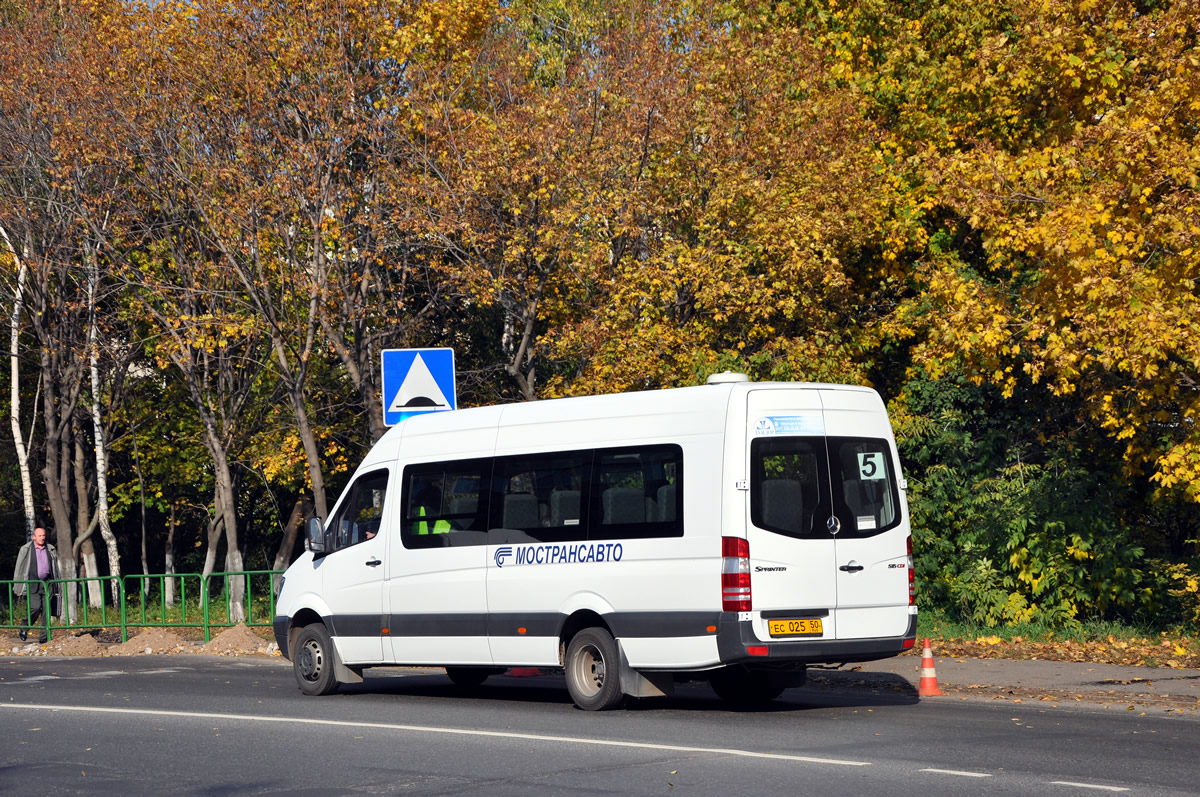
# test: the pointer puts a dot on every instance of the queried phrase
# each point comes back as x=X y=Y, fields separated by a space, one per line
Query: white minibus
x=734 y=532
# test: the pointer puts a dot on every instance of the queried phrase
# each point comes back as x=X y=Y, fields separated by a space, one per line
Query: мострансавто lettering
x=569 y=554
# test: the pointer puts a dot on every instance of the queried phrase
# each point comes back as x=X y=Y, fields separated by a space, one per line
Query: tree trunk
x=137 y=467
x=301 y=511
x=14 y=410
x=54 y=475
x=169 y=563
x=88 y=568
x=214 y=539
x=110 y=540
x=309 y=441
x=83 y=542
x=362 y=376
x=233 y=555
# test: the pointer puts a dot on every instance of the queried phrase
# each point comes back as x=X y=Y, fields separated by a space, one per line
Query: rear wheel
x=312 y=661
x=742 y=687
x=468 y=677
x=593 y=670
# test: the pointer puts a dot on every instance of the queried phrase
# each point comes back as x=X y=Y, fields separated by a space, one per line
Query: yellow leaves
x=213 y=332
x=1180 y=467
x=1079 y=554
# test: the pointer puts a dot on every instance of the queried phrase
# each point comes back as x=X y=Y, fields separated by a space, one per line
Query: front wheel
x=593 y=670
x=312 y=661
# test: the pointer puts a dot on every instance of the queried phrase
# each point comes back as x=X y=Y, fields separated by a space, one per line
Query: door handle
x=373 y=563
x=851 y=568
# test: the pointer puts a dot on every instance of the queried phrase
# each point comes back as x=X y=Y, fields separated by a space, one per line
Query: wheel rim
x=312 y=660
x=589 y=670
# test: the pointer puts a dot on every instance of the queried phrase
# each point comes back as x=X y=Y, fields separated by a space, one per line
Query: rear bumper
x=735 y=639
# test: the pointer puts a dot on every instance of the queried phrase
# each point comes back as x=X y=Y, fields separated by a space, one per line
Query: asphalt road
x=205 y=725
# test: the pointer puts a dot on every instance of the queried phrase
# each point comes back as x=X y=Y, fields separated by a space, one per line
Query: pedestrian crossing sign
x=417 y=381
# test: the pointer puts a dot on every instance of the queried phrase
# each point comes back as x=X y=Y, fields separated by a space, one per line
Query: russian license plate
x=795 y=627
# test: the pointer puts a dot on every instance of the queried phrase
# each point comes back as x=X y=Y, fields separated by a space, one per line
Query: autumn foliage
x=990 y=212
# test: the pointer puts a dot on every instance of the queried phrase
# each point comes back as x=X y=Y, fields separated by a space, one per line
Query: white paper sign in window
x=870 y=466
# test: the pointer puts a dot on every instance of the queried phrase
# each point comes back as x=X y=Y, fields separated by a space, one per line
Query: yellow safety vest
x=439 y=526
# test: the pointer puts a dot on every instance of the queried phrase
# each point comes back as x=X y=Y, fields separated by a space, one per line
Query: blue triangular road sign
x=417 y=381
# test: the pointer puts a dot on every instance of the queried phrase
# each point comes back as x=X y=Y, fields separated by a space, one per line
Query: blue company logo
x=569 y=554
x=808 y=424
x=765 y=427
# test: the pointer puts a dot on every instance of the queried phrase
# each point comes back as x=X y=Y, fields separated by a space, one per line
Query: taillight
x=735 y=574
x=912 y=576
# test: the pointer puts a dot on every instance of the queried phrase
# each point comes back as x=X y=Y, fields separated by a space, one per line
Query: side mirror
x=315 y=540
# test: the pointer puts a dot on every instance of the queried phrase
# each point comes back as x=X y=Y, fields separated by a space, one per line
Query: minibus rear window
x=789 y=486
x=868 y=501
x=792 y=491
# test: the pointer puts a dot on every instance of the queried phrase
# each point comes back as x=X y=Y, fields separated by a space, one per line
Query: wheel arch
x=297 y=623
x=573 y=624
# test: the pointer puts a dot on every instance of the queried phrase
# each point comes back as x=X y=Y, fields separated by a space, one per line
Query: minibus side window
x=637 y=492
x=540 y=497
x=359 y=517
x=445 y=504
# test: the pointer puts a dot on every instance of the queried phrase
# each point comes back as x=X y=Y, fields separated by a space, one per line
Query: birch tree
x=15 y=398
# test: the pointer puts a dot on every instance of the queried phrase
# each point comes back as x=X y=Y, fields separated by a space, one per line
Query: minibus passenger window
x=444 y=505
x=638 y=492
x=539 y=498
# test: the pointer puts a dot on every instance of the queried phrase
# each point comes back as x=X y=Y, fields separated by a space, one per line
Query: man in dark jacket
x=37 y=563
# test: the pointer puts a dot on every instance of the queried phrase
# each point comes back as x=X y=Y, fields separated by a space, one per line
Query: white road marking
x=958 y=772
x=452 y=731
x=1087 y=785
x=92 y=676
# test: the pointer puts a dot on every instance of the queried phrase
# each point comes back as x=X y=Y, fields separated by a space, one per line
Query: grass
x=936 y=623
x=1092 y=641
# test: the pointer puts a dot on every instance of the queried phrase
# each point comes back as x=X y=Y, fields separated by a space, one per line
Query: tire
x=593 y=670
x=470 y=677
x=742 y=687
x=313 y=661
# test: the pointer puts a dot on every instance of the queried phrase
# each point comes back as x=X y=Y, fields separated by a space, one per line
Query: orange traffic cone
x=928 y=687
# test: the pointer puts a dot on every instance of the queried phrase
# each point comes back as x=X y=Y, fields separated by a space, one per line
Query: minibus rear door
x=793 y=556
x=869 y=517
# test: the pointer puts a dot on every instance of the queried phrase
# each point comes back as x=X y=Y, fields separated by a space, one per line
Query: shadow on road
x=826 y=689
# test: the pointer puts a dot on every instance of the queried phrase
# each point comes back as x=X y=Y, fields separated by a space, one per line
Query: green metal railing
x=260 y=612
x=142 y=602
x=151 y=595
